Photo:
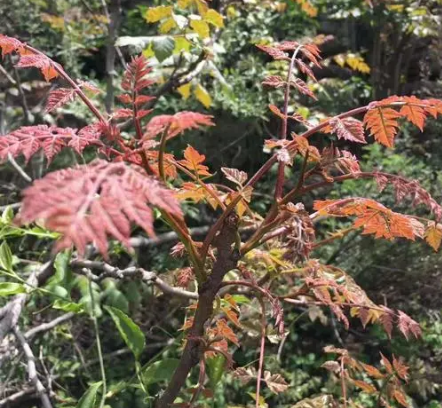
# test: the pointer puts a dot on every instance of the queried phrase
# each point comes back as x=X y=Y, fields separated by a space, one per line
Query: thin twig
x=109 y=271
x=32 y=369
x=17 y=167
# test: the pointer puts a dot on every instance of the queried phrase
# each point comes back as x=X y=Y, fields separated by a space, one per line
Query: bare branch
x=49 y=325
x=32 y=369
x=109 y=271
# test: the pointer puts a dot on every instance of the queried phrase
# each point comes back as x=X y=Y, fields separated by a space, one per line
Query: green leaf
x=68 y=306
x=129 y=331
x=215 y=369
x=10 y=288
x=61 y=264
x=160 y=371
x=163 y=47
x=89 y=397
x=5 y=257
x=7 y=215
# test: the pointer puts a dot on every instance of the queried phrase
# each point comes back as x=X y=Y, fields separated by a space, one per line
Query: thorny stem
x=261 y=350
x=226 y=260
x=280 y=179
x=201 y=379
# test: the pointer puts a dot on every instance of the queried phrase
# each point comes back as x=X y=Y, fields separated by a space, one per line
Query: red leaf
x=10 y=44
x=372 y=371
x=414 y=113
x=193 y=161
x=90 y=203
x=382 y=123
x=46 y=65
x=302 y=87
x=349 y=129
x=125 y=98
x=401 y=369
x=59 y=97
x=400 y=397
x=143 y=112
x=274 y=52
x=386 y=320
x=135 y=76
x=304 y=68
x=274 y=81
x=407 y=325
x=225 y=331
x=387 y=364
x=123 y=113
x=30 y=139
x=139 y=100
x=177 y=123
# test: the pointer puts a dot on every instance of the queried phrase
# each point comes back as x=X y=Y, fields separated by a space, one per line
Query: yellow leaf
x=184 y=90
x=184 y=3
x=200 y=27
x=203 y=96
x=200 y=4
x=148 y=52
x=57 y=23
x=181 y=44
x=340 y=60
x=213 y=17
x=167 y=25
x=433 y=236
x=154 y=14
x=357 y=63
x=202 y=7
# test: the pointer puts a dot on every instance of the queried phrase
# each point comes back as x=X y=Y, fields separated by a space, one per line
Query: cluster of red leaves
x=88 y=203
x=303 y=54
x=391 y=378
x=135 y=79
x=275 y=382
x=299 y=234
x=28 y=58
x=405 y=188
x=341 y=160
x=334 y=288
x=28 y=140
x=373 y=217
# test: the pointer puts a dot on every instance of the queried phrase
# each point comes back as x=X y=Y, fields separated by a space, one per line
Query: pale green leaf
x=11 y=288
x=90 y=396
x=160 y=371
x=129 y=331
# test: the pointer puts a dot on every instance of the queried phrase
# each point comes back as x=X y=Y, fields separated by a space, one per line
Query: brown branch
x=226 y=260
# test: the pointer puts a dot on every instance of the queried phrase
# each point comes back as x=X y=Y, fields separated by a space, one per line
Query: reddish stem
x=261 y=351
x=280 y=179
x=72 y=83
